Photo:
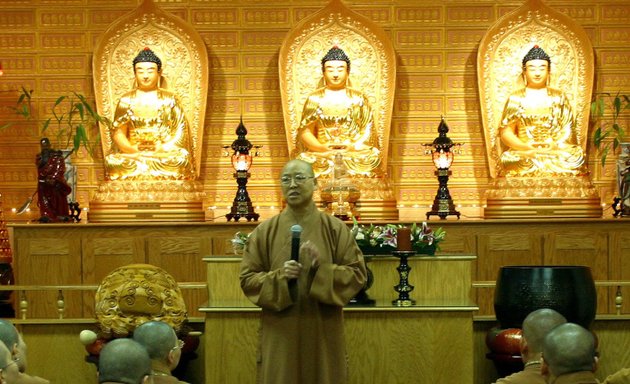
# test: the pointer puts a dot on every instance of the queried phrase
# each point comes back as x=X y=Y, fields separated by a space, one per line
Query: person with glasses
x=13 y=341
x=124 y=361
x=9 y=371
x=302 y=338
x=163 y=347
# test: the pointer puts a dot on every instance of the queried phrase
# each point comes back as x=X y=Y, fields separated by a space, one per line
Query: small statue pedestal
x=340 y=194
x=148 y=200
x=340 y=200
x=403 y=288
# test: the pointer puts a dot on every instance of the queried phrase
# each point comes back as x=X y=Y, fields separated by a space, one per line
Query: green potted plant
x=606 y=111
x=73 y=124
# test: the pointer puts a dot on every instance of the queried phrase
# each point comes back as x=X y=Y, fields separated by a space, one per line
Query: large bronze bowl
x=569 y=290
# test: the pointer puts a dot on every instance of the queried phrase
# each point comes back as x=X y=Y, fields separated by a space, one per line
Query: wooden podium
x=420 y=343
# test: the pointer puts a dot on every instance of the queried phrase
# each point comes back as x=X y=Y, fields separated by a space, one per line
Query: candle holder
x=403 y=288
x=241 y=161
x=442 y=156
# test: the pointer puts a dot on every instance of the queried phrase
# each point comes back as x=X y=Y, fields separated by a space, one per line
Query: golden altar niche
x=500 y=73
x=373 y=73
x=185 y=73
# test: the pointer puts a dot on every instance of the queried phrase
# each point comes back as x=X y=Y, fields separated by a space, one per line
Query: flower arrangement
x=377 y=239
x=381 y=239
x=239 y=241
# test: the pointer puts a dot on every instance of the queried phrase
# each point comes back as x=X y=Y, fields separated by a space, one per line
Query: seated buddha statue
x=537 y=129
x=150 y=133
x=338 y=120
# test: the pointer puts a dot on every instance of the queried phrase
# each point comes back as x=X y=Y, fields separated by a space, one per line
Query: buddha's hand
x=359 y=147
x=330 y=147
x=159 y=147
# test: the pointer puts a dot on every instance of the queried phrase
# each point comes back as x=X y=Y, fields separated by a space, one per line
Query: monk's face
x=536 y=73
x=298 y=183
x=147 y=75
x=335 y=74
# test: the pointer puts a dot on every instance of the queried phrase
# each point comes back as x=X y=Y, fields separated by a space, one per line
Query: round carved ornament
x=137 y=293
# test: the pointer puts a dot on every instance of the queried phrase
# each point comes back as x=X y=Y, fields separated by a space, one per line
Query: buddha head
x=147 y=56
x=536 y=67
x=336 y=68
x=147 y=68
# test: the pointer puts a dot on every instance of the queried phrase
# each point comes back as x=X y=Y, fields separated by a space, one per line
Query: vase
x=70 y=174
x=570 y=290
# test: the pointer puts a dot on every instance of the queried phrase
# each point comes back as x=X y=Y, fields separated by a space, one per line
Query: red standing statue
x=52 y=188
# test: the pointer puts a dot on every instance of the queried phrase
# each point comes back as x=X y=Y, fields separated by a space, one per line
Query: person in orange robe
x=302 y=337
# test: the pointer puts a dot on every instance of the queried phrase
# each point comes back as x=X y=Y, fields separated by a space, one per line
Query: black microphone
x=296 y=231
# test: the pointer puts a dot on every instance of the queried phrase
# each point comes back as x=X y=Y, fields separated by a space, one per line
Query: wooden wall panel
x=620 y=266
x=101 y=255
x=179 y=255
x=49 y=261
x=384 y=345
x=588 y=248
x=409 y=347
x=503 y=248
x=599 y=244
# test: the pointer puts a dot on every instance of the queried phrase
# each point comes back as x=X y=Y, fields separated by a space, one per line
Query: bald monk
x=569 y=355
x=12 y=339
x=302 y=338
x=535 y=327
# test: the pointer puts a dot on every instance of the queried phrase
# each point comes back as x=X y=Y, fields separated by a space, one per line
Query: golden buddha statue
x=537 y=129
x=150 y=133
x=337 y=120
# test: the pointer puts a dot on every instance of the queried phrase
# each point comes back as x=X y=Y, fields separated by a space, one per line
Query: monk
x=302 y=338
x=535 y=327
x=569 y=355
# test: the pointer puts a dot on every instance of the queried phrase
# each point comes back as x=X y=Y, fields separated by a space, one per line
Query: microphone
x=296 y=231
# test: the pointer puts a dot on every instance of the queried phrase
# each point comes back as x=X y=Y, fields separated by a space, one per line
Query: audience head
x=14 y=343
x=9 y=371
x=568 y=348
x=124 y=361
x=160 y=341
x=535 y=327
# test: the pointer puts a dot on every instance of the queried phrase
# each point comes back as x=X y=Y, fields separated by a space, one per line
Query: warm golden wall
x=47 y=46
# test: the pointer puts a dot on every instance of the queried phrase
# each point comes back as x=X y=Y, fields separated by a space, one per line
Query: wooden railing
x=22 y=302
x=600 y=283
